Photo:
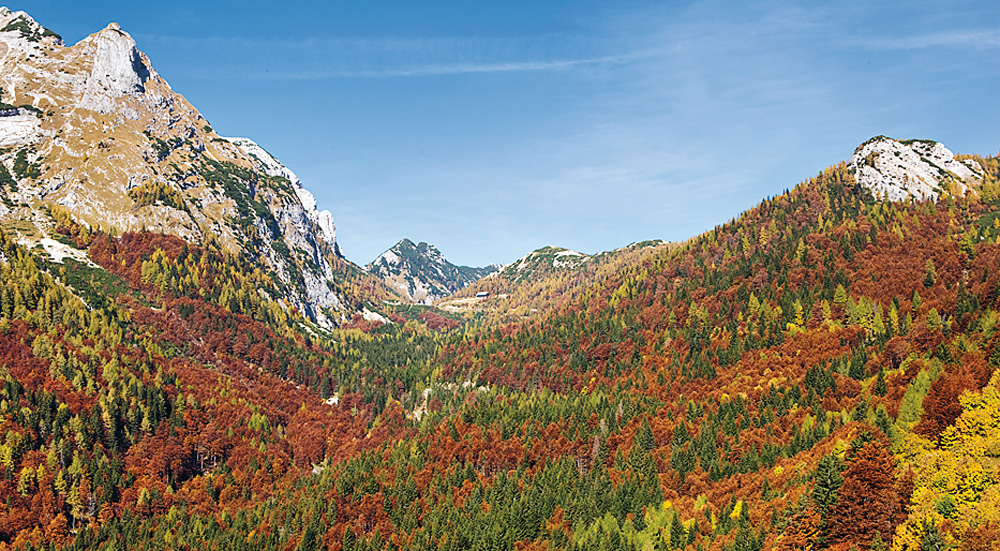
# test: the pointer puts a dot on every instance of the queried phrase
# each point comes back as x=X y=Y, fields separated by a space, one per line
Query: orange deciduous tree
x=870 y=503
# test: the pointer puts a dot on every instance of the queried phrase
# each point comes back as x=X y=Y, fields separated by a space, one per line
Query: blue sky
x=493 y=128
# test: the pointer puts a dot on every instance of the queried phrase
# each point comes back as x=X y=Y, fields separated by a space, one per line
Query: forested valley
x=815 y=374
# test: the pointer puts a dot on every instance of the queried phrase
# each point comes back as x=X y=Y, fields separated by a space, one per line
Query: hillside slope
x=544 y=280
x=810 y=353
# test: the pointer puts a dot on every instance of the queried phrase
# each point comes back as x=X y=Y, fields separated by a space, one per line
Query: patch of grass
x=281 y=247
x=163 y=148
x=414 y=311
x=64 y=239
x=6 y=180
x=19 y=24
x=22 y=227
x=8 y=108
x=910 y=142
x=28 y=107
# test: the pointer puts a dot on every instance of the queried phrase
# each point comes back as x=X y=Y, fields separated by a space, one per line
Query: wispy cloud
x=962 y=38
x=314 y=59
x=455 y=69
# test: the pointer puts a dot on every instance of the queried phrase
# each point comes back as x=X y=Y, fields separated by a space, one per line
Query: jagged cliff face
x=421 y=273
x=93 y=129
x=898 y=170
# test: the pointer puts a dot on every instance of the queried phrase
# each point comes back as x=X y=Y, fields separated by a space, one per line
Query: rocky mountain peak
x=117 y=62
x=421 y=273
x=93 y=130
x=118 y=69
x=899 y=169
x=427 y=250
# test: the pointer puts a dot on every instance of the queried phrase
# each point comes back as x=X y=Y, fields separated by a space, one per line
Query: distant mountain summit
x=421 y=273
x=900 y=169
x=94 y=131
x=543 y=261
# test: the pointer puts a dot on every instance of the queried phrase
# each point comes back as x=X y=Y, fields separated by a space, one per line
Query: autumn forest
x=815 y=374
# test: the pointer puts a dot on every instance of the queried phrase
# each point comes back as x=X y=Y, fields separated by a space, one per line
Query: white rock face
x=118 y=70
x=322 y=218
x=117 y=64
x=568 y=259
x=388 y=257
x=557 y=258
x=60 y=251
x=898 y=170
x=326 y=224
x=20 y=129
x=368 y=315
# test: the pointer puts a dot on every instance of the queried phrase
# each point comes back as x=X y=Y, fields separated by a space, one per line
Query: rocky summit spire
x=118 y=69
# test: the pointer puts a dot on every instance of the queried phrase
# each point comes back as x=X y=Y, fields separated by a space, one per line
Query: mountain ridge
x=420 y=273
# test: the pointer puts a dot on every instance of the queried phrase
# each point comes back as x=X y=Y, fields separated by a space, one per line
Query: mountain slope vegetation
x=759 y=386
